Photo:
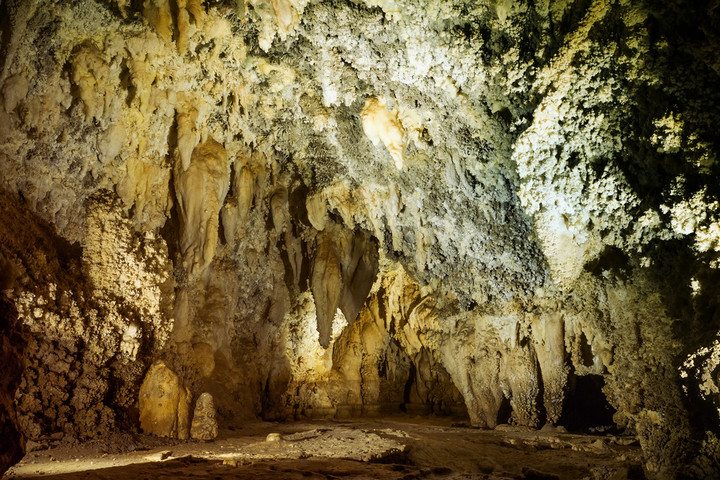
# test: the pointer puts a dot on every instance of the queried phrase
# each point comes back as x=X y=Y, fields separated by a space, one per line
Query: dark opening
x=408 y=386
x=586 y=410
x=504 y=412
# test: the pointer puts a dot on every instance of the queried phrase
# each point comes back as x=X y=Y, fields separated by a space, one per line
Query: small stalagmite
x=204 y=425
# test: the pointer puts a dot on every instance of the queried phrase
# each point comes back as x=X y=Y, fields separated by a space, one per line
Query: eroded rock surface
x=311 y=208
x=164 y=403
x=204 y=424
x=12 y=440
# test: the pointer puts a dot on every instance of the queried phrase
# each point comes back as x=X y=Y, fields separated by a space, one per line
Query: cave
x=585 y=407
x=360 y=239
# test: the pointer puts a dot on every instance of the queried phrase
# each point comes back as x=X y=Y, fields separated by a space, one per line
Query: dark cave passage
x=585 y=408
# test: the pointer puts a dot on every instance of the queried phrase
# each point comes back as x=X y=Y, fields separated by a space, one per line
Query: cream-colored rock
x=244 y=190
x=130 y=342
x=201 y=190
x=145 y=186
x=326 y=285
x=573 y=177
x=204 y=424
x=127 y=268
x=142 y=73
x=382 y=126
x=317 y=211
x=284 y=12
x=91 y=75
x=159 y=16
x=14 y=91
x=549 y=341
x=279 y=209
x=229 y=215
x=164 y=403
x=113 y=142
x=308 y=359
x=187 y=137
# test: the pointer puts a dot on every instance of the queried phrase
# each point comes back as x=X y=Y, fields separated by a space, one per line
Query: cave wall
x=13 y=341
x=305 y=208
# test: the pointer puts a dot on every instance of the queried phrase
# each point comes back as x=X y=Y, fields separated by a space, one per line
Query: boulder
x=164 y=403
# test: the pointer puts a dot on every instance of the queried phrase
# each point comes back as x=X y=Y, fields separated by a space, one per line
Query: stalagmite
x=164 y=403
x=204 y=425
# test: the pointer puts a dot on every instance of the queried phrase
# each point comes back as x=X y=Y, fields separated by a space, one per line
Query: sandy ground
x=390 y=448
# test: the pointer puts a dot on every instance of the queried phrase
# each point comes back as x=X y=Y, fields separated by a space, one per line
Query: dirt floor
x=388 y=448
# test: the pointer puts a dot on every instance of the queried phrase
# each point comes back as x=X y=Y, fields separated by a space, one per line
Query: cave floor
x=388 y=448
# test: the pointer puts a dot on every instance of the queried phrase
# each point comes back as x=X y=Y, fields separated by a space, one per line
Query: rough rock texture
x=307 y=207
x=89 y=313
x=12 y=441
x=164 y=403
x=12 y=345
x=204 y=425
x=347 y=443
x=386 y=448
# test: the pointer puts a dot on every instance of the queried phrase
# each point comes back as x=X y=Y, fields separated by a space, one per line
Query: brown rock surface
x=164 y=403
x=12 y=343
x=388 y=448
x=204 y=424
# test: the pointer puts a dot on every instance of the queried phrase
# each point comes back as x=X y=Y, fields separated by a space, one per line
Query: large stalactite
x=316 y=209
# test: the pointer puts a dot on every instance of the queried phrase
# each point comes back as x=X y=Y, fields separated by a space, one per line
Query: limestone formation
x=308 y=208
x=327 y=285
x=12 y=344
x=204 y=425
x=164 y=403
x=382 y=126
x=200 y=188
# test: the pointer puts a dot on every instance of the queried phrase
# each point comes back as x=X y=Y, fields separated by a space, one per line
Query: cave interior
x=360 y=238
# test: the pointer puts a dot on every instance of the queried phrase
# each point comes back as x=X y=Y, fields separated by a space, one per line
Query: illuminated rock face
x=164 y=403
x=204 y=424
x=200 y=189
x=304 y=208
